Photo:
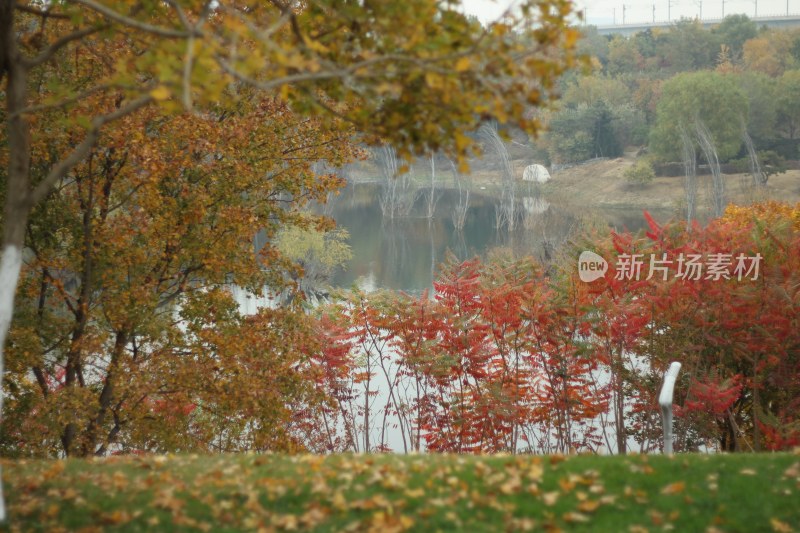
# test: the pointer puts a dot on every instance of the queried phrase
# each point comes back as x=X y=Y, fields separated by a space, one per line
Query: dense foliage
x=734 y=78
x=145 y=146
x=507 y=358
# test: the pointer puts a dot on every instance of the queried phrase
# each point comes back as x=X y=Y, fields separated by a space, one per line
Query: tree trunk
x=17 y=208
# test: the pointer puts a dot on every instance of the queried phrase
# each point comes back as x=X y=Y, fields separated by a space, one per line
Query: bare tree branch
x=133 y=23
x=48 y=52
x=61 y=103
x=40 y=13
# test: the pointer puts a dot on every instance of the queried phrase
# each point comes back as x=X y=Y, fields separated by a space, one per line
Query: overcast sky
x=605 y=11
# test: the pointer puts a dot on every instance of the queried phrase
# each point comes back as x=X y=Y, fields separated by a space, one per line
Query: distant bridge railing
x=629 y=28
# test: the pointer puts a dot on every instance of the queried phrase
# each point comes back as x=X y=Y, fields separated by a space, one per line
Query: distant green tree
x=641 y=173
x=583 y=133
x=762 y=96
x=645 y=43
x=734 y=31
x=687 y=46
x=795 y=49
x=588 y=90
x=630 y=125
x=788 y=104
x=688 y=99
x=623 y=57
x=593 y=44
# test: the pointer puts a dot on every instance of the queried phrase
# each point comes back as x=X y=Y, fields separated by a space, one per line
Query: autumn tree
x=123 y=296
x=788 y=106
x=733 y=328
x=705 y=99
x=378 y=66
x=734 y=31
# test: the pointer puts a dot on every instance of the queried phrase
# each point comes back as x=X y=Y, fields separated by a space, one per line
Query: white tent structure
x=536 y=173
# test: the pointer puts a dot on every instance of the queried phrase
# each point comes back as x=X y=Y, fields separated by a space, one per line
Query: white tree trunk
x=10 y=265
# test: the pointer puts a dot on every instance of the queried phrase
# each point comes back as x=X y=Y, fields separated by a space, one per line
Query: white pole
x=665 y=401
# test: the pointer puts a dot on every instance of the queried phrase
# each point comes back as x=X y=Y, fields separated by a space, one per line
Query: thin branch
x=181 y=14
x=41 y=13
x=130 y=22
x=83 y=149
x=61 y=103
x=342 y=72
x=48 y=52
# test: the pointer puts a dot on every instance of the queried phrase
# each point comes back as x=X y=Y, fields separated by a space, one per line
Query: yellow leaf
x=566 y=484
x=462 y=141
x=575 y=517
x=535 y=472
x=338 y=501
x=589 y=506
x=550 y=498
x=792 y=471
x=511 y=486
x=433 y=80
x=463 y=64
x=160 y=93
x=780 y=527
x=674 y=488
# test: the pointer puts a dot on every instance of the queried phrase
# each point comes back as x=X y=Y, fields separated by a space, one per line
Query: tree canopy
x=705 y=98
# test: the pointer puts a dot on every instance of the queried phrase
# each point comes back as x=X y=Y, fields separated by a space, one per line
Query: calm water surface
x=404 y=253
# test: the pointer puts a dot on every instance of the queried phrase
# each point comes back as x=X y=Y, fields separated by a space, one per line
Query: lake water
x=404 y=253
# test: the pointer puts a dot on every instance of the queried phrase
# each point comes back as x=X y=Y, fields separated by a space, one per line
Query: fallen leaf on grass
x=589 y=506
x=522 y=524
x=674 y=488
x=747 y=472
x=641 y=469
x=511 y=486
x=572 y=517
x=550 y=498
x=53 y=471
x=656 y=518
x=793 y=471
x=608 y=500
x=414 y=493
x=780 y=527
x=535 y=472
x=288 y=522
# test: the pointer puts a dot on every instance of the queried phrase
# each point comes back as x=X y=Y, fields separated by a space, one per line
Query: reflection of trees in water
x=401 y=254
x=395 y=248
x=459 y=244
x=461 y=206
x=432 y=195
x=433 y=250
x=541 y=234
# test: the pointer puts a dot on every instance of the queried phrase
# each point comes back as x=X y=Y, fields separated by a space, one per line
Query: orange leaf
x=674 y=488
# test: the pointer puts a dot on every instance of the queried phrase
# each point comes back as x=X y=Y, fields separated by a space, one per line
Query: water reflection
x=404 y=253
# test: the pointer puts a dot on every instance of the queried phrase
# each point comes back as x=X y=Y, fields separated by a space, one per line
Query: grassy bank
x=394 y=493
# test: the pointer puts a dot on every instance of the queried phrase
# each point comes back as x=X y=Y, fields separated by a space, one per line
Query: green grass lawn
x=684 y=493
